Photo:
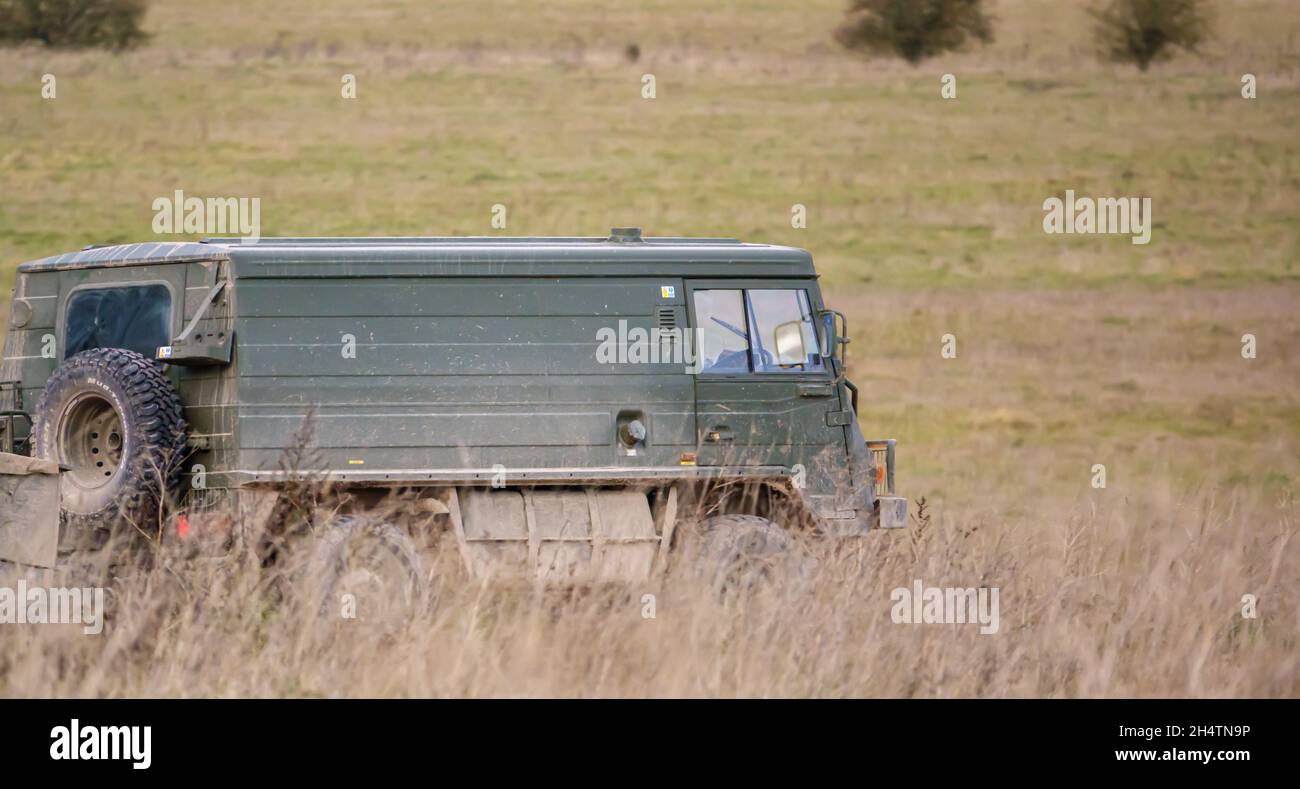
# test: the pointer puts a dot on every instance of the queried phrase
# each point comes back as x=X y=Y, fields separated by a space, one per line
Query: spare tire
x=115 y=421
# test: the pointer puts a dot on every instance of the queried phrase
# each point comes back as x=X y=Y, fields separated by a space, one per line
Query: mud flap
x=29 y=510
x=892 y=513
x=557 y=535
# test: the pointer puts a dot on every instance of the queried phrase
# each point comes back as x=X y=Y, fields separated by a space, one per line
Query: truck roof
x=633 y=255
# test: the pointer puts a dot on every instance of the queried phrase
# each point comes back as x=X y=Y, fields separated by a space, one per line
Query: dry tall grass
x=1135 y=599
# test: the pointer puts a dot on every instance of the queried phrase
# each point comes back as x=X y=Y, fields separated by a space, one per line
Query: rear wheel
x=367 y=569
x=115 y=421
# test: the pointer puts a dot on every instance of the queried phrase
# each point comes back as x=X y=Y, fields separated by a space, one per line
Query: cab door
x=764 y=390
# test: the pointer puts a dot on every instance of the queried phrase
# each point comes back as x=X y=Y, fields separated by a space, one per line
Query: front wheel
x=739 y=554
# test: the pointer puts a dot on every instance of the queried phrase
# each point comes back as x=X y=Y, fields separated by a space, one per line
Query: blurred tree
x=114 y=24
x=1142 y=31
x=913 y=29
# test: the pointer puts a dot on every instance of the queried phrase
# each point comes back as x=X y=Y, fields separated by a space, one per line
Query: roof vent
x=623 y=235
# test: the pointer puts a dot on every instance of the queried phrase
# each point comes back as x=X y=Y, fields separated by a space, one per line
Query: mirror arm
x=853 y=392
x=838 y=340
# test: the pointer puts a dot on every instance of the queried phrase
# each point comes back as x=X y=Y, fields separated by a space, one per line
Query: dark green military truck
x=565 y=405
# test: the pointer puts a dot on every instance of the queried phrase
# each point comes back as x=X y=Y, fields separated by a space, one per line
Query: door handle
x=716 y=435
x=816 y=390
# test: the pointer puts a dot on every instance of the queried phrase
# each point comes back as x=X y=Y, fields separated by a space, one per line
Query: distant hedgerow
x=1143 y=31
x=114 y=24
x=914 y=29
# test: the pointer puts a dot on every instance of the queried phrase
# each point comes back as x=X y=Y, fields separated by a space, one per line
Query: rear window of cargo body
x=135 y=317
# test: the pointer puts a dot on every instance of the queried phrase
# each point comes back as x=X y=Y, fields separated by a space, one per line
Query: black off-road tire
x=117 y=422
x=386 y=558
x=740 y=554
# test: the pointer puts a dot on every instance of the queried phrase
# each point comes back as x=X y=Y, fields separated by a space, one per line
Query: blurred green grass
x=473 y=104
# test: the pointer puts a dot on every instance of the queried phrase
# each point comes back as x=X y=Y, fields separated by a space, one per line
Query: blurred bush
x=114 y=24
x=1142 y=31
x=913 y=29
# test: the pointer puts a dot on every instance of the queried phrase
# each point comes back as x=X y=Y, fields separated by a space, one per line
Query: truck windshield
x=759 y=330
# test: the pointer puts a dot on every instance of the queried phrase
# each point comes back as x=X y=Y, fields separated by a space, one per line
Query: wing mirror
x=790 y=351
x=835 y=329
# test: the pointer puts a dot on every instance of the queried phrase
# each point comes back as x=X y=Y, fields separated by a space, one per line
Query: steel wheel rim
x=91 y=440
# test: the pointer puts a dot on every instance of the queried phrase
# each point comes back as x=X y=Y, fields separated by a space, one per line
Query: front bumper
x=879 y=507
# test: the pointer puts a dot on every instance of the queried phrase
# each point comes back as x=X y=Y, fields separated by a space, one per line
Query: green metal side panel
x=453 y=373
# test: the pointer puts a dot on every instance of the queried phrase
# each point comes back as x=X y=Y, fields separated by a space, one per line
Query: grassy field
x=756 y=110
x=925 y=218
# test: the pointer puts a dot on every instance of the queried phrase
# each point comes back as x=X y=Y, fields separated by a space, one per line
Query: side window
x=763 y=330
x=723 y=333
x=785 y=336
x=137 y=318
